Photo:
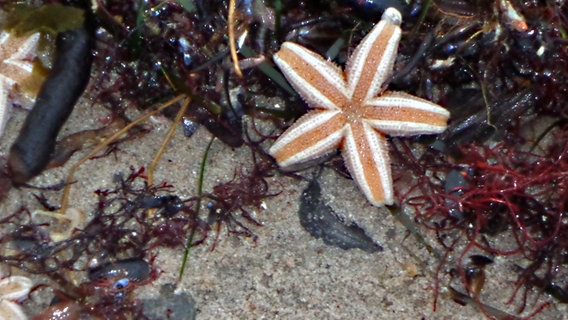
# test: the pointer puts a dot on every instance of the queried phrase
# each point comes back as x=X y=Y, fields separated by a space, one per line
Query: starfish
x=13 y=289
x=352 y=110
x=16 y=65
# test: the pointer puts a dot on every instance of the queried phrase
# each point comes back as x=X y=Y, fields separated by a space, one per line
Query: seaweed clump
x=229 y=202
x=96 y=268
x=495 y=183
x=152 y=50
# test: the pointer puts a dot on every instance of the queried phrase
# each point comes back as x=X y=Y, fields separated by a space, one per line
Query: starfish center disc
x=353 y=112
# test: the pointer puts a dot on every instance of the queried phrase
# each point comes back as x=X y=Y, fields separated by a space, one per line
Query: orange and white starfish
x=352 y=110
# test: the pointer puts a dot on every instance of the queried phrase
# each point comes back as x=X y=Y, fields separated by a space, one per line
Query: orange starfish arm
x=310 y=137
x=401 y=114
x=320 y=82
x=371 y=64
x=366 y=156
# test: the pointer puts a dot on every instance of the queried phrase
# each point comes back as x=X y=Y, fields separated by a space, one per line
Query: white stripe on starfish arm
x=401 y=114
x=320 y=82
x=372 y=62
x=310 y=137
x=405 y=100
x=369 y=165
x=402 y=129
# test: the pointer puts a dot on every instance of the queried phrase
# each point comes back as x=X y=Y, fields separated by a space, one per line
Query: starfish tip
x=393 y=16
x=286 y=46
x=380 y=203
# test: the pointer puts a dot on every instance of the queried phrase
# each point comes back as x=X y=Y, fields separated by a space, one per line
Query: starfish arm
x=401 y=114
x=366 y=156
x=320 y=82
x=25 y=55
x=310 y=137
x=15 y=287
x=372 y=62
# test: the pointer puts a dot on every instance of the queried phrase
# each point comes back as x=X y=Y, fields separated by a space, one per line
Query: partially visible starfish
x=352 y=110
x=12 y=289
x=16 y=65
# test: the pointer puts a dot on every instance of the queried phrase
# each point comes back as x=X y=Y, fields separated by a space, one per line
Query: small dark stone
x=480 y=260
x=319 y=220
x=171 y=204
x=189 y=127
x=170 y=305
x=133 y=269
x=374 y=8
